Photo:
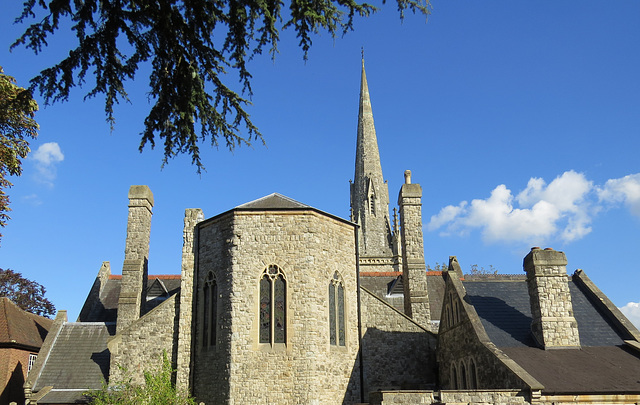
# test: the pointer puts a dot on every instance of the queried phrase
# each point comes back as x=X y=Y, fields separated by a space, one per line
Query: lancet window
x=273 y=306
x=210 y=313
x=337 y=332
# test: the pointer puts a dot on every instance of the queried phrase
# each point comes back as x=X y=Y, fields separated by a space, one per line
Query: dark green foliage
x=157 y=390
x=25 y=293
x=17 y=125
x=191 y=46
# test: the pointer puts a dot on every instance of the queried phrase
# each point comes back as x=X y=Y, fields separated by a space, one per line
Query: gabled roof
x=505 y=312
x=79 y=359
x=603 y=364
x=20 y=328
x=273 y=201
x=105 y=308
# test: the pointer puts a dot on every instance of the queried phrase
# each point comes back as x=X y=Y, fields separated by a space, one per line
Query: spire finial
x=362 y=54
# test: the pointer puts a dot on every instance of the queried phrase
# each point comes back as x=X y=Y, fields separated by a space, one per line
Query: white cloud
x=623 y=190
x=541 y=212
x=46 y=157
x=632 y=311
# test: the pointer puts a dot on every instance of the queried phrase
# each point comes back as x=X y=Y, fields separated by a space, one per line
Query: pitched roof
x=505 y=312
x=105 y=308
x=21 y=328
x=603 y=364
x=79 y=359
x=273 y=201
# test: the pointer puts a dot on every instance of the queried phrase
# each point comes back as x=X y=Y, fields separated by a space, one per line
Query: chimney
x=553 y=324
x=414 y=275
x=136 y=253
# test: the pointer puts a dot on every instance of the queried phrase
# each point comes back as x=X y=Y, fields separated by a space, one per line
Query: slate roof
x=505 y=312
x=105 y=309
x=602 y=365
x=273 y=201
x=603 y=369
x=21 y=328
x=79 y=359
x=381 y=283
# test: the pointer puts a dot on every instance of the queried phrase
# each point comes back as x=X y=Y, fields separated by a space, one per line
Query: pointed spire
x=369 y=193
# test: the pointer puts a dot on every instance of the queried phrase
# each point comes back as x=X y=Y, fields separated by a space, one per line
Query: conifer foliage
x=17 y=126
x=191 y=48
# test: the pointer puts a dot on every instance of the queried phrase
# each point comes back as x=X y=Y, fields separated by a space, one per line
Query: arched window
x=337 y=333
x=210 y=314
x=473 y=376
x=463 y=376
x=453 y=377
x=273 y=306
x=372 y=204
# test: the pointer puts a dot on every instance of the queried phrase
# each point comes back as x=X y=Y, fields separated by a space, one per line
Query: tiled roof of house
x=21 y=328
x=79 y=359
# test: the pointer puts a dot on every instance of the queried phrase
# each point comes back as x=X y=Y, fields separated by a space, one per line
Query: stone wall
x=464 y=344
x=397 y=353
x=141 y=345
x=309 y=248
x=503 y=397
x=401 y=397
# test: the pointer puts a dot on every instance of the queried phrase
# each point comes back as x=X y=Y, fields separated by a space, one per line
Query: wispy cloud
x=46 y=157
x=625 y=190
x=632 y=311
x=561 y=210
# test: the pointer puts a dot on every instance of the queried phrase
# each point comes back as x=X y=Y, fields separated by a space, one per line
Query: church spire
x=369 y=192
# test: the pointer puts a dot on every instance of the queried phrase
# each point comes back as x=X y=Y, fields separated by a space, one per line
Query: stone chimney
x=136 y=253
x=189 y=247
x=414 y=276
x=553 y=324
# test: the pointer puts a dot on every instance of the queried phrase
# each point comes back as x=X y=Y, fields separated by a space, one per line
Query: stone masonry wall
x=140 y=346
x=460 y=345
x=397 y=353
x=191 y=218
x=309 y=248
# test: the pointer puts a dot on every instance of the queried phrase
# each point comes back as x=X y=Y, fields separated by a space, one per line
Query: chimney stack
x=414 y=272
x=553 y=324
x=136 y=253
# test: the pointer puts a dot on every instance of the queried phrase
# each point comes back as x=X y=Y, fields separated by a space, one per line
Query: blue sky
x=520 y=120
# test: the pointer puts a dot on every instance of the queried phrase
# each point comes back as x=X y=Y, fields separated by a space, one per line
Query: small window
x=32 y=361
x=209 y=322
x=273 y=306
x=337 y=330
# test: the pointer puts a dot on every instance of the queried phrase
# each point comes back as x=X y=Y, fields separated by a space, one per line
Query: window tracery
x=273 y=306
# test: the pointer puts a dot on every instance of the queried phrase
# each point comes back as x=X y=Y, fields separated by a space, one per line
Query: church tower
x=378 y=244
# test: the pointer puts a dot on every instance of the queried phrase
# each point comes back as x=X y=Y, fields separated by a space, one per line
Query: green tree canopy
x=17 y=125
x=27 y=294
x=191 y=46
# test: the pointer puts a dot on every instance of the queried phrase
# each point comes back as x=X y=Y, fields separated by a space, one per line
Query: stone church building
x=281 y=303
